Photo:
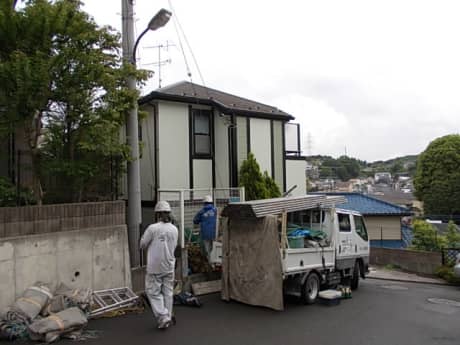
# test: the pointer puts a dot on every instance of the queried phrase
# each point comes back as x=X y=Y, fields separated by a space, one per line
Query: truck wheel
x=355 y=279
x=310 y=289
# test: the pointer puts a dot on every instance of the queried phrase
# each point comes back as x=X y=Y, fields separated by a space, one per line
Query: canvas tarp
x=251 y=262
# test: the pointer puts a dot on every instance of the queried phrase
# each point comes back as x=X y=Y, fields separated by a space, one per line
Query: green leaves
x=256 y=185
x=426 y=237
x=438 y=176
x=60 y=72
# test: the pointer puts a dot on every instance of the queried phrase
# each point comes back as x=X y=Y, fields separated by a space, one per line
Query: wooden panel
x=208 y=287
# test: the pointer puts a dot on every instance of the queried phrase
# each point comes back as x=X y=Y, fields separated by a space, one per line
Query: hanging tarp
x=251 y=266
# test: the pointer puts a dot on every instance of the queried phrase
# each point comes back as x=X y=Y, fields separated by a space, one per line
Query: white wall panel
x=202 y=173
x=221 y=153
x=261 y=143
x=278 y=153
x=295 y=175
x=173 y=138
x=147 y=161
x=242 y=140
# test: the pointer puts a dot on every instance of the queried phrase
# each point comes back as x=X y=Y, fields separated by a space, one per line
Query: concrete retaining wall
x=32 y=220
x=97 y=257
x=410 y=260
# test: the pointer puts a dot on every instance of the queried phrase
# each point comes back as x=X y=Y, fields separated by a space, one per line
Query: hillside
x=345 y=168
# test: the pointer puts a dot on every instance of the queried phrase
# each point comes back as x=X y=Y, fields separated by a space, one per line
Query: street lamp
x=159 y=20
x=134 y=216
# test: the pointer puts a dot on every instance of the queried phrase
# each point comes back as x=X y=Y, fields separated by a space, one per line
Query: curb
x=411 y=281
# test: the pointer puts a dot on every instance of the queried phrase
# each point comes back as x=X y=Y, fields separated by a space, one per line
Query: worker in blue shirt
x=207 y=218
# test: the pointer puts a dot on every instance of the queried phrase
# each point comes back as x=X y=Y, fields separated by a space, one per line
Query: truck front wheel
x=355 y=279
x=310 y=289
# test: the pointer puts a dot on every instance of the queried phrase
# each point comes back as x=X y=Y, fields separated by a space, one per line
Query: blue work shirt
x=206 y=217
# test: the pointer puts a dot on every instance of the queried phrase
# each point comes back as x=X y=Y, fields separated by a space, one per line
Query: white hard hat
x=162 y=206
x=208 y=198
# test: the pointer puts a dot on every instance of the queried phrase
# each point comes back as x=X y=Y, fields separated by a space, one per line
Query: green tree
x=437 y=177
x=257 y=185
x=426 y=237
x=452 y=235
x=61 y=71
x=397 y=167
x=273 y=190
x=252 y=179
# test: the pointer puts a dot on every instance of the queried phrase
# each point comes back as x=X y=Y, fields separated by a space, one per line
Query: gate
x=185 y=203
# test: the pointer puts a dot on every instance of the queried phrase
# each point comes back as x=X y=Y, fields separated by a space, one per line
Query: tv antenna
x=160 y=62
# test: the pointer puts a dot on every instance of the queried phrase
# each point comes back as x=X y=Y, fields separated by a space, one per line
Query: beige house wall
x=383 y=227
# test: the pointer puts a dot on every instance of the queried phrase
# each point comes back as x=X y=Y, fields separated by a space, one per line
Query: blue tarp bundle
x=299 y=233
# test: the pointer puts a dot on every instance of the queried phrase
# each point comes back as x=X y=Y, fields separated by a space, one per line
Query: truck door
x=360 y=237
x=345 y=248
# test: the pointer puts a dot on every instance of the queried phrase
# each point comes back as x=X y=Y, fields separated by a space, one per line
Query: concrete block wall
x=32 y=220
x=409 y=260
x=96 y=257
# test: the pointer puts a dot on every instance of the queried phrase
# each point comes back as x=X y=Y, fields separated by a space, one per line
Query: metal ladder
x=112 y=299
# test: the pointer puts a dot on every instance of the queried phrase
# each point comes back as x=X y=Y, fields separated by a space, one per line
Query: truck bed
x=297 y=260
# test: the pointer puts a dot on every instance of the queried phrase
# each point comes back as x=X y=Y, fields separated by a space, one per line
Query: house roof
x=188 y=92
x=369 y=206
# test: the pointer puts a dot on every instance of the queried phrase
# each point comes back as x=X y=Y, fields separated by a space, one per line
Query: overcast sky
x=374 y=79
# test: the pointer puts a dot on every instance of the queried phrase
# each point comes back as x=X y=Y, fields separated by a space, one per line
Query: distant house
x=383 y=219
x=382 y=177
x=197 y=137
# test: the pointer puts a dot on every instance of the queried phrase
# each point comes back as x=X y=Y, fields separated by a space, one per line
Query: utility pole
x=134 y=217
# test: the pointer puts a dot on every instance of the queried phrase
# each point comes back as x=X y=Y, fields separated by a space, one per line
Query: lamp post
x=134 y=217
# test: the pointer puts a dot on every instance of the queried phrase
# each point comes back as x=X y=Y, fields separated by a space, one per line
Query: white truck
x=292 y=245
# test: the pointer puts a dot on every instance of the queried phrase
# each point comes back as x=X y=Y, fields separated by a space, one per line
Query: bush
x=8 y=195
x=426 y=237
x=447 y=273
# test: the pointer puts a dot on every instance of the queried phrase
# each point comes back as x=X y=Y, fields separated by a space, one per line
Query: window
x=344 y=222
x=201 y=132
x=360 y=227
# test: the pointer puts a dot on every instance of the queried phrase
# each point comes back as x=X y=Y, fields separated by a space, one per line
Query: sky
x=370 y=79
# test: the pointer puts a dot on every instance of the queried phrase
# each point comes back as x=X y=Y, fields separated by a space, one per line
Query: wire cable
x=189 y=73
x=187 y=42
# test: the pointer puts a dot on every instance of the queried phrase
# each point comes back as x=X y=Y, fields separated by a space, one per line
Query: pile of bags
x=41 y=315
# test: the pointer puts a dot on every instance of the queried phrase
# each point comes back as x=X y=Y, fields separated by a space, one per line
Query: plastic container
x=329 y=297
x=295 y=241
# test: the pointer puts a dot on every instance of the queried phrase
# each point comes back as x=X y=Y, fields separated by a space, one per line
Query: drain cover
x=444 y=301
x=394 y=287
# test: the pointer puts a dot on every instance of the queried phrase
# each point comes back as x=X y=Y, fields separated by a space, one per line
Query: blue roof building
x=369 y=206
x=383 y=219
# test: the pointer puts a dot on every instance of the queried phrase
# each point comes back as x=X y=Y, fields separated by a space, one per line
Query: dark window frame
x=194 y=134
x=341 y=224
x=363 y=234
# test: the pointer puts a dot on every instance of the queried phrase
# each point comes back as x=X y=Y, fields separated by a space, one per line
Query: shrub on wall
x=426 y=237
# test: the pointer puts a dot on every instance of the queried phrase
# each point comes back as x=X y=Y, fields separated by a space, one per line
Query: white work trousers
x=159 y=290
x=207 y=248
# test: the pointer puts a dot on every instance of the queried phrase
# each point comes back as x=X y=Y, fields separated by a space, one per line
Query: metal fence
x=449 y=255
x=185 y=203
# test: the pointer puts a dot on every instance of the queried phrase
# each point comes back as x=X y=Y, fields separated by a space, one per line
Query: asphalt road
x=380 y=313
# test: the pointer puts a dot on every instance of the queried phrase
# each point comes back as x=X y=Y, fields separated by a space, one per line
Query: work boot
x=164 y=324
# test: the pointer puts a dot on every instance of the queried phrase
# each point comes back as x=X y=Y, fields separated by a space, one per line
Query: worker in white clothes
x=161 y=240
